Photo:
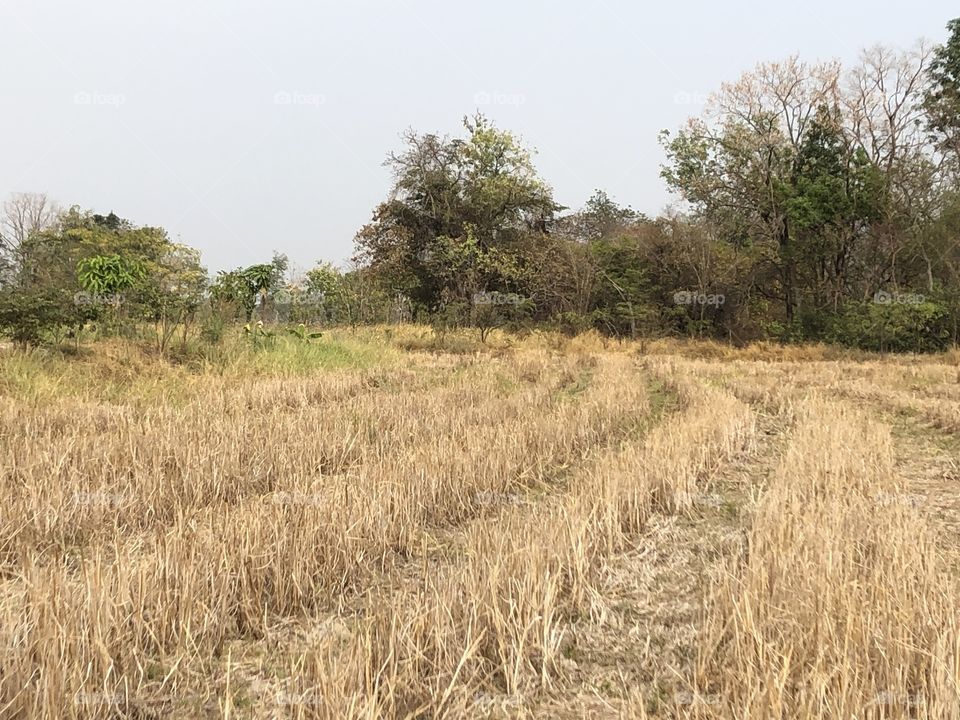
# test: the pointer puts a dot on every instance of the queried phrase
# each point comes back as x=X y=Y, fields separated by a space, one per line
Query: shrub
x=921 y=326
x=27 y=316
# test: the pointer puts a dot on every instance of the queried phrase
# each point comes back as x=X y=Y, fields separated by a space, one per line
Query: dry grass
x=398 y=525
x=839 y=607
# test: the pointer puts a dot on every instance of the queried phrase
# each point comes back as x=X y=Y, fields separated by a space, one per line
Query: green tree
x=108 y=275
x=104 y=279
x=480 y=192
x=942 y=101
x=172 y=292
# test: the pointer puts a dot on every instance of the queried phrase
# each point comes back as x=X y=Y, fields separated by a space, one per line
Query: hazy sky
x=244 y=127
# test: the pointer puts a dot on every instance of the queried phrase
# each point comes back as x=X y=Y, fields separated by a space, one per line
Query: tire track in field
x=927 y=463
x=442 y=549
x=633 y=659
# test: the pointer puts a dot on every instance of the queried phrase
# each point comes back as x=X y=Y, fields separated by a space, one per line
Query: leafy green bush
x=918 y=326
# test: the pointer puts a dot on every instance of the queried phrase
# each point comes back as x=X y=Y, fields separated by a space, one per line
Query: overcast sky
x=245 y=127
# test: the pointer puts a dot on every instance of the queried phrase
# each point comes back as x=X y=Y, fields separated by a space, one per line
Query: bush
x=27 y=316
x=916 y=326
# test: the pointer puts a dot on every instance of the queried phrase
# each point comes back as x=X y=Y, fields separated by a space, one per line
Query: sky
x=246 y=127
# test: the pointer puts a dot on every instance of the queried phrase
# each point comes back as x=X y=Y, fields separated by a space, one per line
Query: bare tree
x=22 y=214
x=885 y=103
x=749 y=142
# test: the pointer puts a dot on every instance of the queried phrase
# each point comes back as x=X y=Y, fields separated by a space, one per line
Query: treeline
x=819 y=203
x=74 y=275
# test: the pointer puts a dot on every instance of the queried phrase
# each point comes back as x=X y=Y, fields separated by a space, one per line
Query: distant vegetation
x=820 y=203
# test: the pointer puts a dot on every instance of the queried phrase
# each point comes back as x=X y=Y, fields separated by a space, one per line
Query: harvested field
x=540 y=528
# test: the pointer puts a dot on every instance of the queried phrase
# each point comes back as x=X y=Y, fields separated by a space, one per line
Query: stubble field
x=386 y=525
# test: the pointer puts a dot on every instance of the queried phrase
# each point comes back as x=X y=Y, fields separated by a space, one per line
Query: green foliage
x=31 y=316
x=301 y=333
x=232 y=294
x=258 y=335
x=809 y=187
x=896 y=327
x=325 y=281
x=942 y=101
x=239 y=292
x=108 y=274
x=461 y=216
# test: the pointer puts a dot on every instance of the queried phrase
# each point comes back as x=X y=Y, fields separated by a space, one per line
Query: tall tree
x=737 y=165
x=942 y=100
x=476 y=202
x=22 y=215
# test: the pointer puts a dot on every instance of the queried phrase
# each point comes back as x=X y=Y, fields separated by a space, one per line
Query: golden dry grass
x=397 y=525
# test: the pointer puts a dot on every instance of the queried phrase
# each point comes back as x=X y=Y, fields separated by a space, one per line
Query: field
x=387 y=524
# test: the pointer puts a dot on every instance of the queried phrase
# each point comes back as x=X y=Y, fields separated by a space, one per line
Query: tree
x=476 y=201
x=172 y=291
x=737 y=166
x=22 y=215
x=232 y=294
x=821 y=177
x=108 y=275
x=29 y=315
x=260 y=279
x=942 y=100
x=601 y=217
x=105 y=277
x=325 y=292
x=243 y=289
x=85 y=261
